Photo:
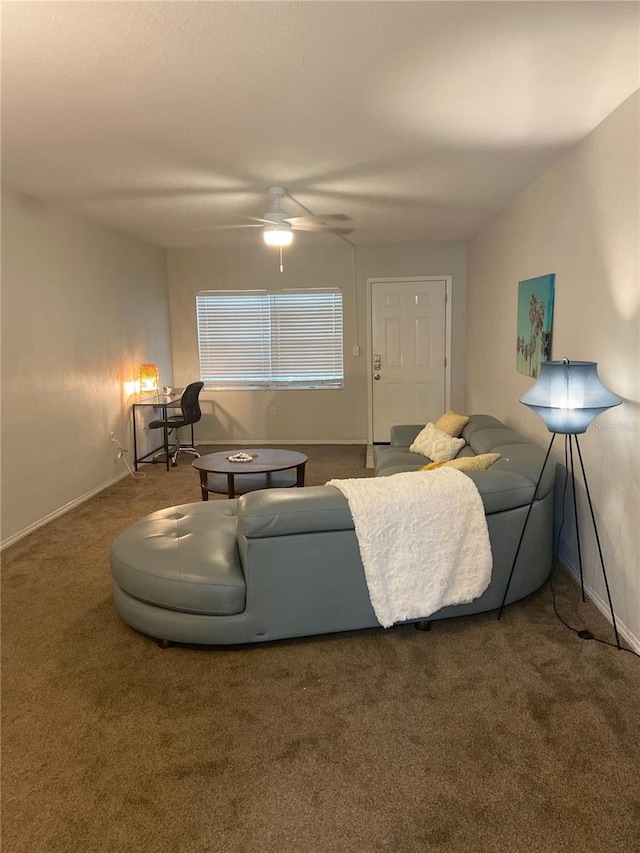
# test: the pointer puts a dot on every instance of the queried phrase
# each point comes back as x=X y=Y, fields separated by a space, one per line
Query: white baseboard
x=602 y=605
x=60 y=511
x=259 y=442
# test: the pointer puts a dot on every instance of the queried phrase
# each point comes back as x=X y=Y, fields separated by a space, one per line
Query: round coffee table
x=268 y=469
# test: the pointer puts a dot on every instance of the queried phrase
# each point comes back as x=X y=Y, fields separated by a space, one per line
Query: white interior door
x=408 y=352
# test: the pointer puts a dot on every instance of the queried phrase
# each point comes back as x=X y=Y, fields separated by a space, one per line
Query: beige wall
x=324 y=415
x=580 y=221
x=82 y=307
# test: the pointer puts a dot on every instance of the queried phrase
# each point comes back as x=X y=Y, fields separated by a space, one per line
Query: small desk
x=263 y=472
x=161 y=404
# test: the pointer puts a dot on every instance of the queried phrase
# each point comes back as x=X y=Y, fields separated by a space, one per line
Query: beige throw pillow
x=436 y=444
x=466 y=463
x=452 y=423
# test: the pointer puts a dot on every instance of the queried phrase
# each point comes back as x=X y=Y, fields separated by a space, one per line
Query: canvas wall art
x=535 y=318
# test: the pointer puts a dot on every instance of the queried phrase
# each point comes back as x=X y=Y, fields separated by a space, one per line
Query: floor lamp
x=568 y=395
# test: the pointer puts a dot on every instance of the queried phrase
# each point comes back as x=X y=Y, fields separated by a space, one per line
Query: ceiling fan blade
x=316 y=223
x=331 y=223
x=336 y=229
x=321 y=228
x=264 y=221
x=225 y=227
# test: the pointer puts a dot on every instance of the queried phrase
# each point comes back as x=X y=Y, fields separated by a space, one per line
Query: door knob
x=376 y=376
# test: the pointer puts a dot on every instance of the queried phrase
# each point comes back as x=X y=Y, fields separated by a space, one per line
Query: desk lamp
x=149 y=378
x=568 y=395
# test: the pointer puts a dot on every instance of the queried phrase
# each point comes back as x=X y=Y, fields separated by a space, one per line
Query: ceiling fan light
x=278 y=235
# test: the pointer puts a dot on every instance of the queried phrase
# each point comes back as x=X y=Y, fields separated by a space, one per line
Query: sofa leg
x=424 y=625
x=164 y=644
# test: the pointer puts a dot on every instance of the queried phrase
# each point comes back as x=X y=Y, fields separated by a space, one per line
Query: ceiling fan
x=278 y=227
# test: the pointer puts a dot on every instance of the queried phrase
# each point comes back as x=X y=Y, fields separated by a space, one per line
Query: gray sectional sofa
x=285 y=563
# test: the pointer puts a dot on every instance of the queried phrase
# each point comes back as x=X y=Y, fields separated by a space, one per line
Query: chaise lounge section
x=285 y=563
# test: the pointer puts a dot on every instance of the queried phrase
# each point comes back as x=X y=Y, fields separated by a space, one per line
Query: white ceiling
x=419 y=120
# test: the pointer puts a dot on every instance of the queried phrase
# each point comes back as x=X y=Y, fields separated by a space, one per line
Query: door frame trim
x=448 y=287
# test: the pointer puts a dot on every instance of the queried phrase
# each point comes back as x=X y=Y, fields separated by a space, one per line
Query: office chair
x=191 y=414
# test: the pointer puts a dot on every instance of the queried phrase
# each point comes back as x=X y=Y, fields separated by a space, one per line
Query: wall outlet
x=272 y=411
x=111 y=438
x=356 y=350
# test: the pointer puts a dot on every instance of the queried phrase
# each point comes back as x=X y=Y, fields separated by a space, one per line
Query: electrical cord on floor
x=583 y=633
x=120 y=454
x=137 y=475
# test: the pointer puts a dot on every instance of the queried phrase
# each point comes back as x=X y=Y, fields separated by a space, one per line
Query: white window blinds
x=276 y=339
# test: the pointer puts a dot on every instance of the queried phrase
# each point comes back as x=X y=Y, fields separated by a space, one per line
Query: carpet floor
x=476 y=736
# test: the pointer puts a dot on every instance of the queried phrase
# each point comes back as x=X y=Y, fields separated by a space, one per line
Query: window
x=276 y=339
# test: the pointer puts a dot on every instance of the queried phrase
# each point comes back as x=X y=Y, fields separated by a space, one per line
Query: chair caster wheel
x=164 y=644
x=174 y=464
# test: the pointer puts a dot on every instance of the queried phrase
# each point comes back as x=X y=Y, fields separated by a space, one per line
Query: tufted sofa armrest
x=283 y=512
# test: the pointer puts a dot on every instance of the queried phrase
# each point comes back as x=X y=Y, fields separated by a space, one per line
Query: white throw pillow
x=439 y=446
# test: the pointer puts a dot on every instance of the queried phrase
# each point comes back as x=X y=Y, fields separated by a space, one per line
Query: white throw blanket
x=423 y=540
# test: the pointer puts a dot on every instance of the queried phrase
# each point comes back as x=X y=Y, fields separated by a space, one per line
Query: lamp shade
x=149 y=377
x=278 y=235
x=569 y=395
